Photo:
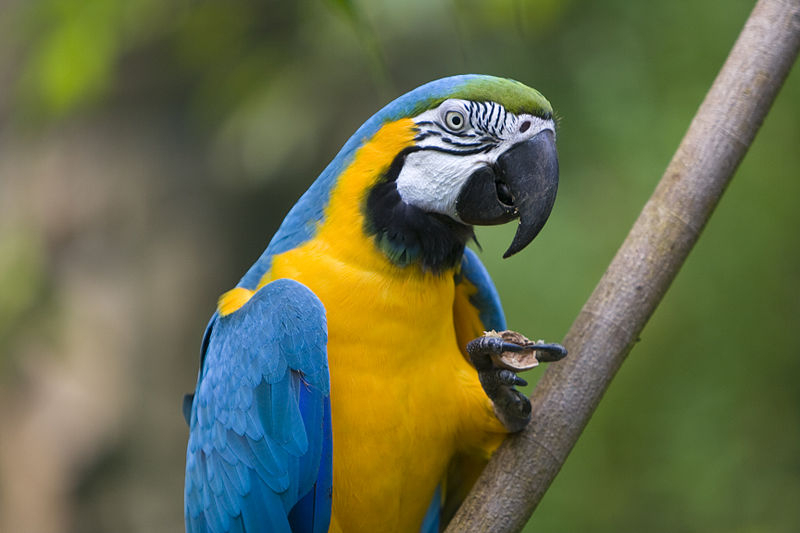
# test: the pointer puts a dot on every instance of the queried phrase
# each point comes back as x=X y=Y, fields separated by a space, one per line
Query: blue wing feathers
x=486 y=300
x=258 y=430
x=430 y=524
x=312 y=407
x=311 y=512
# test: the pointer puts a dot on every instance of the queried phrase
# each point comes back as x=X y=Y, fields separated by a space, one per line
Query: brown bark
x=609 y=324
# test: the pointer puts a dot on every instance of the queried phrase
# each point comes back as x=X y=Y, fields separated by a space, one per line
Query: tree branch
x=609 y=324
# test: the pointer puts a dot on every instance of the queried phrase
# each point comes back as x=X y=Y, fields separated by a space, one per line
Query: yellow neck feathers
x=341 y=232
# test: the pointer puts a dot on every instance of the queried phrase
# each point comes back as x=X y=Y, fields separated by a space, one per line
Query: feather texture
x=260 y=436
x=485 y=299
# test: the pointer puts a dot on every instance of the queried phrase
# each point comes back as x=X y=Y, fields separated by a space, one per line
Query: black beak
x=522 y=184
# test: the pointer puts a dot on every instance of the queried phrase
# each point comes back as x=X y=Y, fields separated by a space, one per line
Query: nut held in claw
x=515 y=361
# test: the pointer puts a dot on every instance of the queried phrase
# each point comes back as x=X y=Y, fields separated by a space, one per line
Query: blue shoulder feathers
x=260 y=442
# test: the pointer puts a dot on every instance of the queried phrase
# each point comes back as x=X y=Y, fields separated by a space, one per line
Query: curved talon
x=552 y=352
x=511 y=347
x=510 y=378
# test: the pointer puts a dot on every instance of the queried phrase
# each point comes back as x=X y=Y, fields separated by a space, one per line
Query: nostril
x=504 y=193
x=525 y=126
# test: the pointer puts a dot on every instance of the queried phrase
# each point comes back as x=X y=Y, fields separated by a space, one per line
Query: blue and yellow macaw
x=340 y=387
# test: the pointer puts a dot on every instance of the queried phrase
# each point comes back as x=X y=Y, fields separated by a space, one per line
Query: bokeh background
x=149 y=149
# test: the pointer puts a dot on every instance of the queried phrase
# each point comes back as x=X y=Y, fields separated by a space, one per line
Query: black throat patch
x=406 y=233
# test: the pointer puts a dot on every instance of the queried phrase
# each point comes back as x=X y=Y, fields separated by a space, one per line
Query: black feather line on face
x=406 y=233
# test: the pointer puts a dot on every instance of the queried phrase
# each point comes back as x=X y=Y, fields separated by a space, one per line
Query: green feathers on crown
x=516 y=97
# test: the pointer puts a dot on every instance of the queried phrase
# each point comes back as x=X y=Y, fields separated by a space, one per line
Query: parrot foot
x=497 y=377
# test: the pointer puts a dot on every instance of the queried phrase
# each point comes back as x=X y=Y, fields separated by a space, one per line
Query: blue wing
x=259 y=454
x=486 y=301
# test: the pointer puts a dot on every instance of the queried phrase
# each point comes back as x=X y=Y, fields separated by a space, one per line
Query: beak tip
x=534 y=167
x=522 y=239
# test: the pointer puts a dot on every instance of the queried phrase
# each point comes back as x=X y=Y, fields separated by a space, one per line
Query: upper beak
x=523 y=184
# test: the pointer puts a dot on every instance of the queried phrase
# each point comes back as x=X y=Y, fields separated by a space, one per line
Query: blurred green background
x=149 y=149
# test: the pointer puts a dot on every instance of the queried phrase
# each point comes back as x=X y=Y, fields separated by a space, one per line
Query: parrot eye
x=454 y=120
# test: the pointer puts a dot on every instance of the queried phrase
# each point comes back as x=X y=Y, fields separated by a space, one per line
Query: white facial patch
x=456 y=139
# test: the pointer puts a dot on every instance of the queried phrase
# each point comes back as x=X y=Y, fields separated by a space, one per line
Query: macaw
x=345 y=383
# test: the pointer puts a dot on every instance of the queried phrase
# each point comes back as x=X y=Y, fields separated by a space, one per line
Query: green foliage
x=73 y=49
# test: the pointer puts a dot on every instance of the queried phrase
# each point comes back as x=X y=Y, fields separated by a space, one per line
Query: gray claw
x=549 y=353
x=511 y=347
x=510 y=378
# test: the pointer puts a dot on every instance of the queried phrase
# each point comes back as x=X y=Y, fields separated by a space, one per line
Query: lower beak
x=523 y=183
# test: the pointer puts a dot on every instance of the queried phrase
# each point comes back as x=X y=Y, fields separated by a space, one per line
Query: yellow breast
x=394 y=366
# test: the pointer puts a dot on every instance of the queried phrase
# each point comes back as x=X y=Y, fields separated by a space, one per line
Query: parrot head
x=421 y=172
x=481 y=163
x=483 y=154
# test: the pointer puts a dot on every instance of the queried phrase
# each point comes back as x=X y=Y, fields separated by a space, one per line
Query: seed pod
x=515 y=361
